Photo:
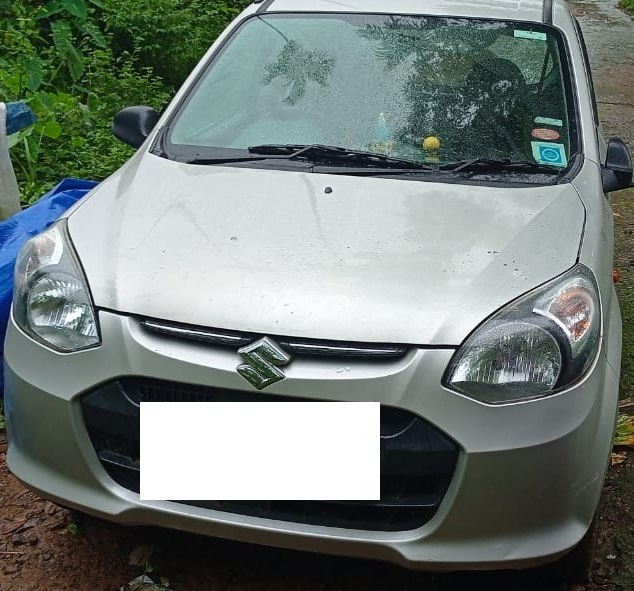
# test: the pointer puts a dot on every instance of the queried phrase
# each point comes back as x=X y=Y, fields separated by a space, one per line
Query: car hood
x=318 y=256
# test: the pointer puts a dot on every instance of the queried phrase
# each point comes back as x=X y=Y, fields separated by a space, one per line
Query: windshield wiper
x=227 y=159
x=369 y=162
x=337 y=155
x=499 y=164
x=313 y=153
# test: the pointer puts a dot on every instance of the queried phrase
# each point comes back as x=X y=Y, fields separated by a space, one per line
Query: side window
x=586 y=60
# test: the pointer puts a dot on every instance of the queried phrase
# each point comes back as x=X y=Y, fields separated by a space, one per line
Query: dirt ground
x=46 y=548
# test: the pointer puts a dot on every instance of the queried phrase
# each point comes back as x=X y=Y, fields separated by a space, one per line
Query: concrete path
x=609 y=34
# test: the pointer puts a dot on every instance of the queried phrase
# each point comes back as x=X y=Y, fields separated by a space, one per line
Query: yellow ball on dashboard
x=431 y=143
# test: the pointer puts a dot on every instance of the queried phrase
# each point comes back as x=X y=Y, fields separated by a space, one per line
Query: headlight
x=51 y=302
x=539 y=344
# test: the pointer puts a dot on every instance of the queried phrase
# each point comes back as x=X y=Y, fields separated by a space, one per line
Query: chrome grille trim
x=193 y=334
x=310 y=347
x=345 y=350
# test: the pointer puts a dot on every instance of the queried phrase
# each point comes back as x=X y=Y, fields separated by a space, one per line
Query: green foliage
x=627 y=5
x=77 y=62
x=168 y=35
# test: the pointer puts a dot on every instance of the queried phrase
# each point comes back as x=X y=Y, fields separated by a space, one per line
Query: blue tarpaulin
x=16 y=230
x=18 y=117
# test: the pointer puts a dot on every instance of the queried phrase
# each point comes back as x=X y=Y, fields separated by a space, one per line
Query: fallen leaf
x=624 y=431
x=142 y=583
x=626 y=403
x=618 y=458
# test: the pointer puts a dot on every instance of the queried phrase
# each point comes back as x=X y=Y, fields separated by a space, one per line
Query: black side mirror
x=132 y=125
x=617 y=171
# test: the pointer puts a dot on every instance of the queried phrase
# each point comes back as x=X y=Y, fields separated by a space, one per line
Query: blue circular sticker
x=551 y=155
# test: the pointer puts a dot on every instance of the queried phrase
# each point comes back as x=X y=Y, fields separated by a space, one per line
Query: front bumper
x=524 y=490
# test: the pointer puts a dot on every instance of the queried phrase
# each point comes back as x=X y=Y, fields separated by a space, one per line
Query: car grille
x=417 y=460
x=296 y=346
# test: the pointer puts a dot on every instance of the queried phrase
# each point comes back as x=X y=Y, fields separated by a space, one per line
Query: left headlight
x=539 y=344
x=51 y=301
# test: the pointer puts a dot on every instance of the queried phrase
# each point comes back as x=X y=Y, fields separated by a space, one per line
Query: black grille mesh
x=417 y=460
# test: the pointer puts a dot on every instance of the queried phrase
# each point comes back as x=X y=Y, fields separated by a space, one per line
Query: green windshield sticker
x=549 y=121
x=550 y=153
x=530 y=35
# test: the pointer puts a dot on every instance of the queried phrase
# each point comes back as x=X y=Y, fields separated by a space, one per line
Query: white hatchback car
x=414 y=191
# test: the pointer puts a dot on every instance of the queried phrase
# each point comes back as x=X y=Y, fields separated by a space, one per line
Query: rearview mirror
x=132 y=125
x=617 y=171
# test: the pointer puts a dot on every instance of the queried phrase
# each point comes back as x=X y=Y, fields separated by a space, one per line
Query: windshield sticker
x=549 y=153
x=529 y=35
x=549 y=121
x=542 y=133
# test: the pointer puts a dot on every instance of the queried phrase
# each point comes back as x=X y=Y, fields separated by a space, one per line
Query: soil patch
x=44 y=547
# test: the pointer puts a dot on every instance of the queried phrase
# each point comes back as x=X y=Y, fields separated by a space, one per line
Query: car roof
x=523 y=10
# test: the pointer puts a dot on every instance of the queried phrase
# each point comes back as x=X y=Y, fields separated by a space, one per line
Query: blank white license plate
x=260 y=451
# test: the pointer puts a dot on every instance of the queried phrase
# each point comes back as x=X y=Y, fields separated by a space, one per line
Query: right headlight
x=537 y=345
x=51 y=301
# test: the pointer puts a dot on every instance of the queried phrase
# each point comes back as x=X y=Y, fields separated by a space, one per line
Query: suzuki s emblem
x=262 y=360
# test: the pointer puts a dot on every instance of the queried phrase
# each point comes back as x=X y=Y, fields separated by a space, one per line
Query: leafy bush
x=77 y=62
x=43 y=64
x=169 y=36
x=627 y=5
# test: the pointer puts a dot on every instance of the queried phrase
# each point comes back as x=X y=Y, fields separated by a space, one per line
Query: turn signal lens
x=573 y=310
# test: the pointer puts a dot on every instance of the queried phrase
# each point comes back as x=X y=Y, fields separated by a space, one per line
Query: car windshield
x=421 y=89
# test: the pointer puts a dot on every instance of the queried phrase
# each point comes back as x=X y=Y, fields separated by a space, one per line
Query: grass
x=619 y=495
x=627 y=5
x=623 y=204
